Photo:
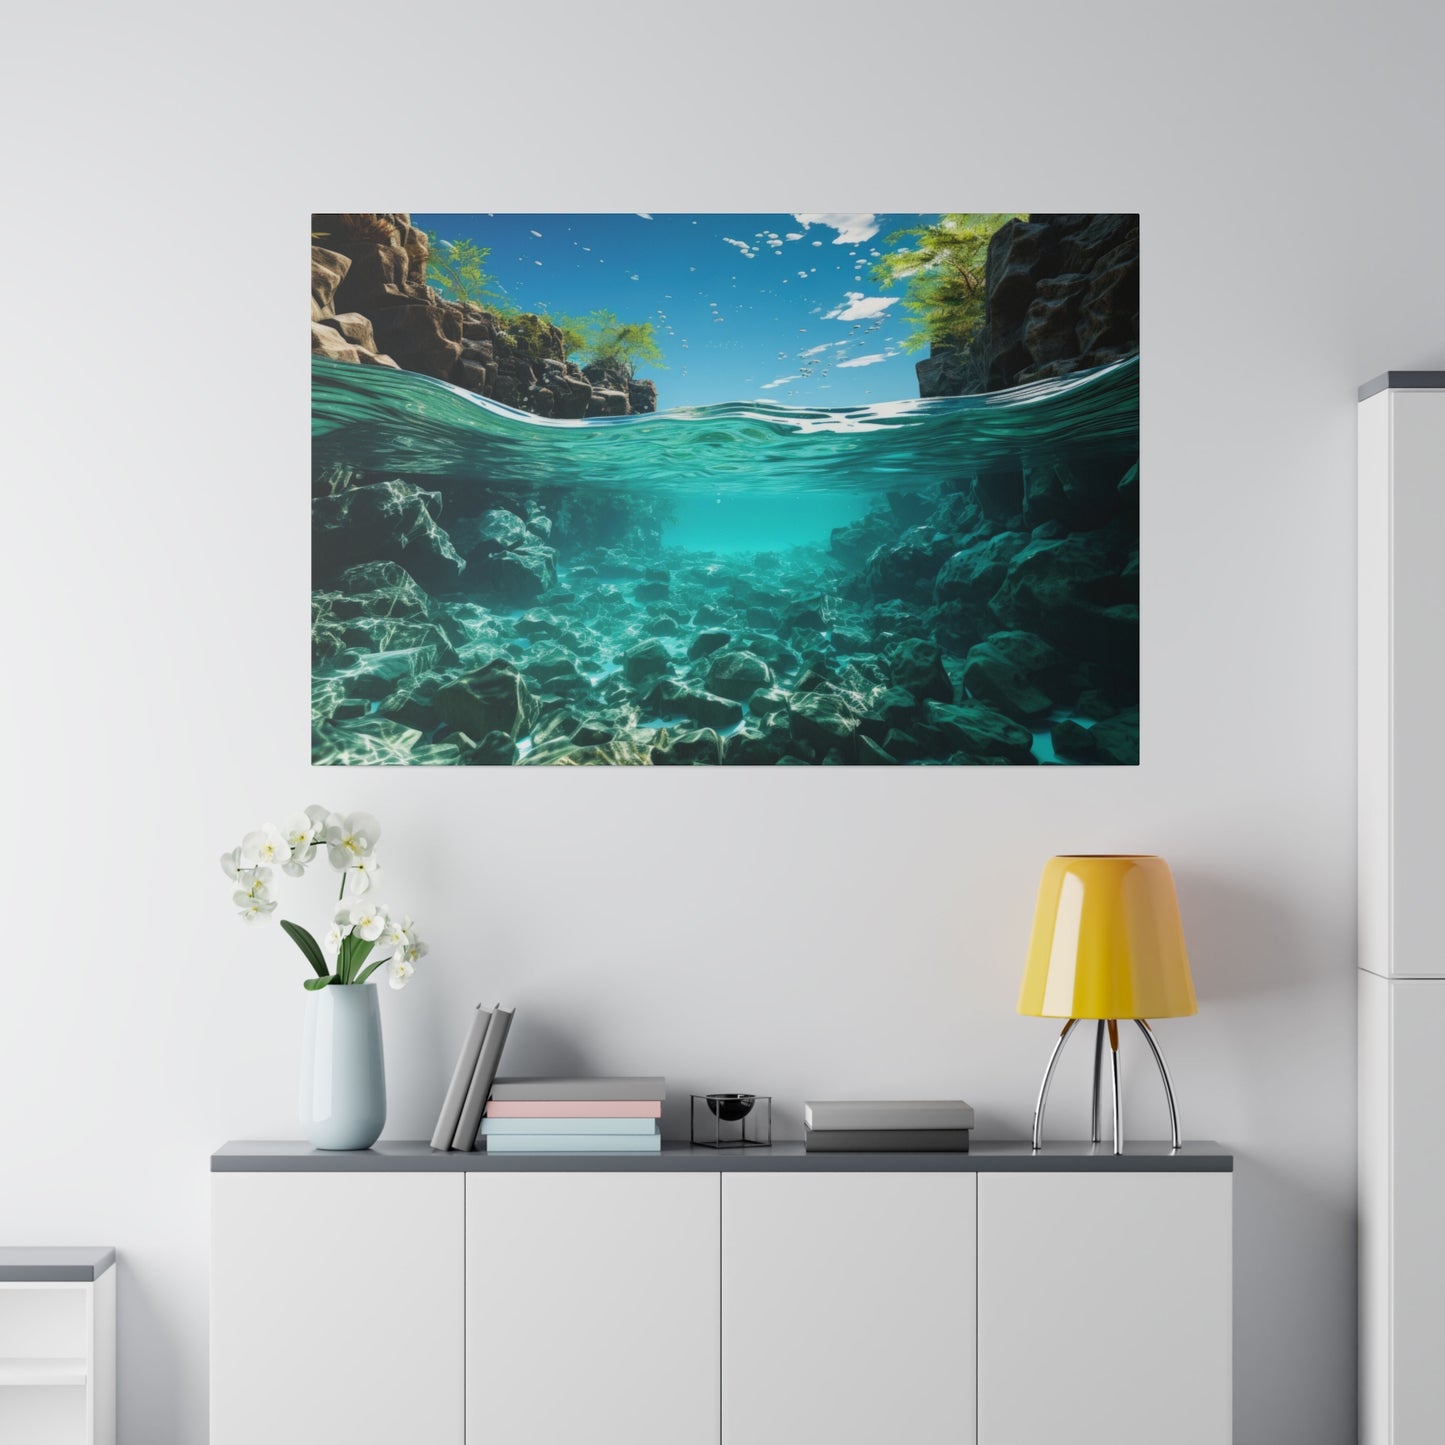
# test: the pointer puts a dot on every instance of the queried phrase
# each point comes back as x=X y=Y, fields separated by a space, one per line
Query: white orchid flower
x=342 y=919
x=412 y=950
x=318 y=816
x=299 y=830
x=266 y=845
x=350 y=838
x=398 y=971
x=255 y=908
x=398 y=933
x=254 y=884
x=233 y=867
x=295 y=866
x=368 y=921
x=334 y=938
x=362 y=876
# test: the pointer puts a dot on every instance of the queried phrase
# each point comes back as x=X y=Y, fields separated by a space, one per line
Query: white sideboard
x=698 y=1297
x=1401 y=862
x=57 y=1346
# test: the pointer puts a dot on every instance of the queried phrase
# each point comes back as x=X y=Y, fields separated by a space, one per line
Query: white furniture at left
x=57 y=1346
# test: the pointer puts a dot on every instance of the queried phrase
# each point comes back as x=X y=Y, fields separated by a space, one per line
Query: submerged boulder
x=393 y=521
x=494 y=698
x=738 y=675
x=917 y=667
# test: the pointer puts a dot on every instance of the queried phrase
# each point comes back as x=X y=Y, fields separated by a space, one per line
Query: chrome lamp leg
x=1094 y=1135
x=1164 y=1075
x=1118 y=1097
x=1044 y=1087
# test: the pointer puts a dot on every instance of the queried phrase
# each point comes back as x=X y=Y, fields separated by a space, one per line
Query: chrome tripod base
x=1112 y=1027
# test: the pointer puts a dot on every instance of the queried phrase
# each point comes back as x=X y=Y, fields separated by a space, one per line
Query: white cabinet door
x=848 y=1309
x=336 y=1309
x=1416 y=1152
x=1104 y=1309
x=592 y=1309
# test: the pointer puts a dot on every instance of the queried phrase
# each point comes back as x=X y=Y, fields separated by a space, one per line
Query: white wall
x=808 y=933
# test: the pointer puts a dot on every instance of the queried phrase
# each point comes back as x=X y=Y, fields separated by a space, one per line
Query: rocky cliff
x=370 y=304
x=1062 y=295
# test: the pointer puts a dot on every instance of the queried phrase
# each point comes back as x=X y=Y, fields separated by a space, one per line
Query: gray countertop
x=1404 y=381
x=49 y=1264
x=284 y=1156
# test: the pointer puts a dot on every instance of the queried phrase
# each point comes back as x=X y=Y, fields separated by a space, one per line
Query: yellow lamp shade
x=1107 y=942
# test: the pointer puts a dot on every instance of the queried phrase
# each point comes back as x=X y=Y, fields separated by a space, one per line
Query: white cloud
x=859 y=307
x=852 y=227
x=818 y=350
x=867 y=360
x=781 y=381
x=742 y=246
x=646 y=217
x=537 y=234
x=793 y=236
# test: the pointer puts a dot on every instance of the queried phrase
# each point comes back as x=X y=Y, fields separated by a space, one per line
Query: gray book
x=516 y=1091
x=482 y=1077
x=889 y=1114
x=451 y=1113
x=886 y=1141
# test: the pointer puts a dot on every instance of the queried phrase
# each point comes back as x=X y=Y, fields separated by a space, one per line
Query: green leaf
x=314 y=983
x=371 y=969
x=362 y=947
x=308 y=946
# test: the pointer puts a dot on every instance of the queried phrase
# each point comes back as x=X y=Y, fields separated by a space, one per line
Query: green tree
x=574 y=333
x=458 y=269
x=942 y=267
x=625 y=344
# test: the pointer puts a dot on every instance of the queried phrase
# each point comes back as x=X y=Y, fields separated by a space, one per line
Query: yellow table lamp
x=1107 y=944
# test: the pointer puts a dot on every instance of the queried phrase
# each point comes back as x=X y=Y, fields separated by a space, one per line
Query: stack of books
x=575 y=1116
x=914 y=1126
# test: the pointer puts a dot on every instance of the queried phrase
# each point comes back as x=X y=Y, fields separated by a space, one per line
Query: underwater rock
x=847 y=639
x=981 y=733
x=512 y=579
x=645 y=660
x=1072 y=740
x=870 y=754
x=916 y=665
x=821 y=718
x=494 y=698
x=706 y=643
x=855 y=543
x=992 y=677
x=1116 y=739
x=494 y=531
x=700 y=746
x=907 y=567
x=380 y=589
x=496 y=750
x=974 y=572
x=652 y=591
x=391 y=521
x=738 y=675
x=1071 y=593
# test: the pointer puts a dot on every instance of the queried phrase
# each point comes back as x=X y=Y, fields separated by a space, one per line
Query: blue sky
x=777 y=308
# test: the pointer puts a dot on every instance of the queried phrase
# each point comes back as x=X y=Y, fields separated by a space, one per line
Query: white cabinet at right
x=1104 y=1308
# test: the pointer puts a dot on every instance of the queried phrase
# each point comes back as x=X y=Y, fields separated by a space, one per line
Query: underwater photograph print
x=815 y=489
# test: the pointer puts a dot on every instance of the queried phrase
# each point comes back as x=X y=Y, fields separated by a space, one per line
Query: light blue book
x=494 y=1127
x=574 y=1144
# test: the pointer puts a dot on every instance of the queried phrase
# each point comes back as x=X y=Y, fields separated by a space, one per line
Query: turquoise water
x=376 y=419
x=998 y=533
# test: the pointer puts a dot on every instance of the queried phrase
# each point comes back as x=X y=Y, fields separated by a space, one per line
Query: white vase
x=343 y=1077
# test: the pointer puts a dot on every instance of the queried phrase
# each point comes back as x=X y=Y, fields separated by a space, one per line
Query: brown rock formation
x=1062 y=296
x=371 y=304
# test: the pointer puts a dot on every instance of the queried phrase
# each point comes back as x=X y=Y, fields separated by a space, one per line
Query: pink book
x=575 y=1109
